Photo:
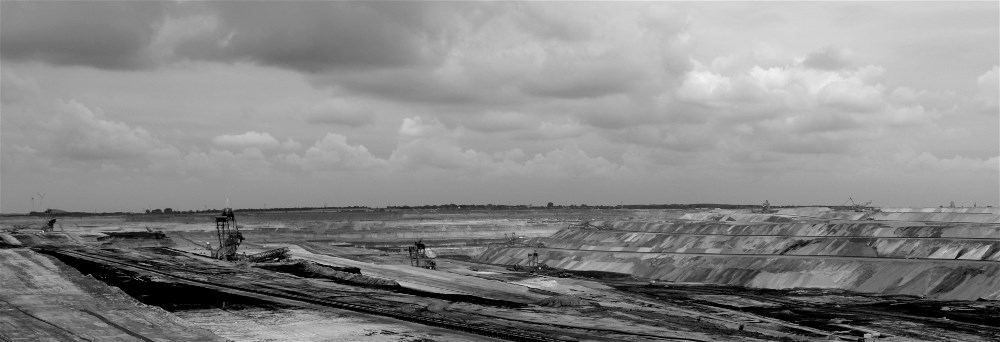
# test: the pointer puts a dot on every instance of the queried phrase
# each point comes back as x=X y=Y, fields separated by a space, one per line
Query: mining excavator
x=230 y=239
x=867 y=206
x=421 y=256
x=229 y=236
x=766 y=208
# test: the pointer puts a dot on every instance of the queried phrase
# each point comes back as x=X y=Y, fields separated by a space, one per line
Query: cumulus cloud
x=570 y=162
x=989 y=91
x=291 y=145
x=928 y=162
x=805 y=109
x=417 y=128
x=553 y=130
x=14 y=88
x=908 y=96
x=334 y=153
x=787 y=88
x=852 y=94
x=250 y=139
x=427 y=143
x=440 y=154
x=79 y=133
x=427 y=146
x=249 y=163
x=820 y=122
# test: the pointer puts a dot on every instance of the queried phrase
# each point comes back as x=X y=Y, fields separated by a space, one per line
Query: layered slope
x=954 y=259
x=44 y=300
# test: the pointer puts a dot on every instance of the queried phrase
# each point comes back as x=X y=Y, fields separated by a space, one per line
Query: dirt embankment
x=346 y=275
x=43 y=299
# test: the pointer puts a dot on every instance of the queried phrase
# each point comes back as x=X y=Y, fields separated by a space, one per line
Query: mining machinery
x=229 y=236
x=867 y=206
x=533 y=259
x=50 y=225
x=533 y=266
x=766 y=208
x=421 y=257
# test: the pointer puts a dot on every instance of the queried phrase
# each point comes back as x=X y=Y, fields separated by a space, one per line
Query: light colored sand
x=307 y=325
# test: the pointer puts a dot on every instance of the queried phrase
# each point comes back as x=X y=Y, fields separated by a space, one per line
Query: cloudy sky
x=113 y=106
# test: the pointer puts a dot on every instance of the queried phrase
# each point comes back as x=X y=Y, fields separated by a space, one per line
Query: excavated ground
x=940 y=260
x=803 y=274
x=45 y=300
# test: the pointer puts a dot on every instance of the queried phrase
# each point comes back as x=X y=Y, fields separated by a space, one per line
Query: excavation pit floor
x=78 y=284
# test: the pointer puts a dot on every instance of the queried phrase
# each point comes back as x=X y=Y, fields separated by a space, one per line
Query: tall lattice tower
x=229 y=235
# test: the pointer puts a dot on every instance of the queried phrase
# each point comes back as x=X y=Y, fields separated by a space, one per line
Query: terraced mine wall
x=939 y=260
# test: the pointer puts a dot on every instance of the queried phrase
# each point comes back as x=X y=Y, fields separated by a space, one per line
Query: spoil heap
x=311 y=269
x=564 y=300
x=948 y=255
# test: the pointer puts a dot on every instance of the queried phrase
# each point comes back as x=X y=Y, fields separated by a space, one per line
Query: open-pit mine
x=541 y=274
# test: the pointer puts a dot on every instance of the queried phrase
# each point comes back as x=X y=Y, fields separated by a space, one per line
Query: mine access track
x=269 y=294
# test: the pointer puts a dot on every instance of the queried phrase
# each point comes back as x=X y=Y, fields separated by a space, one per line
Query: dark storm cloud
x=303 y=36
x=323 y=36
x=107 y=35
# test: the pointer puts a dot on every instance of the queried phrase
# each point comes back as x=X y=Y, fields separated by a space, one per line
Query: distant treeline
x=358 y=208
x=57 y=212
x=570 y=206
x=586 y=206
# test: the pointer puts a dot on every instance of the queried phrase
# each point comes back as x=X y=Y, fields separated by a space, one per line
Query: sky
x=127 y=106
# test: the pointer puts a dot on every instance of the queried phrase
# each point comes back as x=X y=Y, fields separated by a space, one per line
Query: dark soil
x=167 y=295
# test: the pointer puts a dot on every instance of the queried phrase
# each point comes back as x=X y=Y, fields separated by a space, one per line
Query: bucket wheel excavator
x=230 y=238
